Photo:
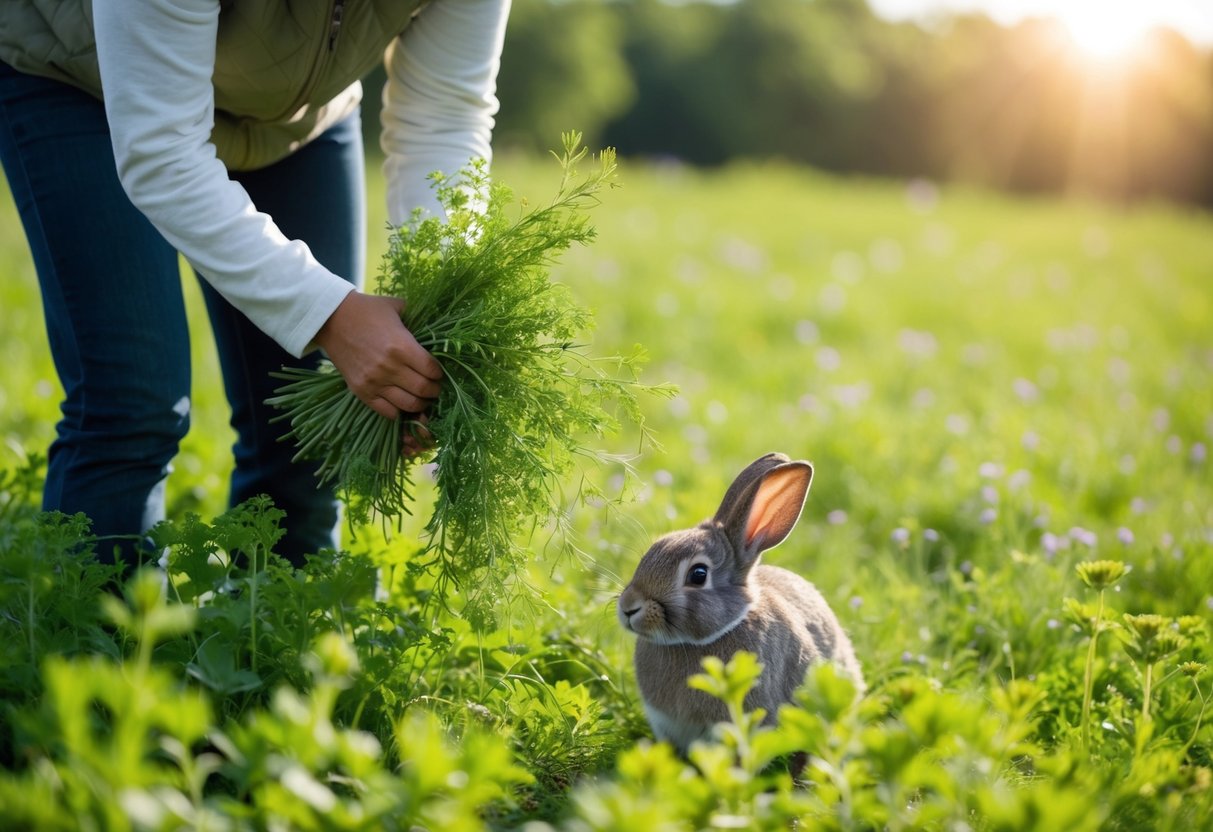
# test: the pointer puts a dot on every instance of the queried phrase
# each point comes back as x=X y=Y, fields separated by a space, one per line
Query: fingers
x=382 y=362
x=383 y=407
x=404 y=401
x=419 y=360
x=412 y=392
x=408 y=364
x=391 y=399
x=422 y=387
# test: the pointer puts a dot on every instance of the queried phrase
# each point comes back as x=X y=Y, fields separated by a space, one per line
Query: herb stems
x=520 y=395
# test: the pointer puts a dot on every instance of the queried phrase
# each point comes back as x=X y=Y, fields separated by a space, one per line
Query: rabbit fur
x=681 y=615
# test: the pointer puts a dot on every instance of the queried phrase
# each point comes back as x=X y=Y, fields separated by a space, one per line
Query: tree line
x=830 y=84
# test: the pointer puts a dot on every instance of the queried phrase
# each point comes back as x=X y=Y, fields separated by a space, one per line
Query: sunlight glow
x=1103 y=30
x=1123 y=20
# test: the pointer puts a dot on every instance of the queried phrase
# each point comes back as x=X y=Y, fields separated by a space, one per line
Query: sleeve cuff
x=301 y=339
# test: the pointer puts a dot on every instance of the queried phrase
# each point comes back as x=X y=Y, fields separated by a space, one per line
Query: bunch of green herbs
x=520 y=393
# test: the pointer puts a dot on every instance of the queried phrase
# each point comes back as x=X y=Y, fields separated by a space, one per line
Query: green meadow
x=992 y=390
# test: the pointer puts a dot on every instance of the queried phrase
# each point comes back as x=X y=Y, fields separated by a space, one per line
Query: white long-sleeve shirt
x=156 y=59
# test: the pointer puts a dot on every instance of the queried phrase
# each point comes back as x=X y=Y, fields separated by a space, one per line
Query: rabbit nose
x=629 y=613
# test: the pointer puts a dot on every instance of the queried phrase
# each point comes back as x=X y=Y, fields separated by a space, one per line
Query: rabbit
x=701 y=592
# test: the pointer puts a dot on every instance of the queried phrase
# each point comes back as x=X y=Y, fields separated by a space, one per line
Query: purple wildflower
x=1084 y=536
x=1198 y=452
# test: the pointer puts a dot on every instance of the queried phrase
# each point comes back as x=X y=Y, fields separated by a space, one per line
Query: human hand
x=381 y=361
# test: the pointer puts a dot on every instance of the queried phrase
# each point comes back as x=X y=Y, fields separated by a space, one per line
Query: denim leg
x=316 y=195
x=111 y=293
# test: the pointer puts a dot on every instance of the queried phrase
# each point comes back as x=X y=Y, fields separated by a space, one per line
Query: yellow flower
x=1101 y=574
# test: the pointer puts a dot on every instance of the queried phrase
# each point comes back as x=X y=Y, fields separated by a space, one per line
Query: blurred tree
x=1167 y=122
x=668 y=49
x=563 y=68
x=758 y=78
x=1019 y=108
x=828 y=83
x=997 y=101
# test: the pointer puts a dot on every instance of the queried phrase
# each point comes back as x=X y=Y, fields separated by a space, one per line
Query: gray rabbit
x=701 y=592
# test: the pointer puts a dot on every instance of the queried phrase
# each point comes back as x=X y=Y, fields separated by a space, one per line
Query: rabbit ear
x=763 y=504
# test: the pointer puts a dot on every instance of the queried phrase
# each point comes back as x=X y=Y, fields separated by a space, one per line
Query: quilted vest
x=285 y=70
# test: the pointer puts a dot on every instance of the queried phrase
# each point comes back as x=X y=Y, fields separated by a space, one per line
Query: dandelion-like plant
x=1148 y=639
x=1145 y=630
x=1192 y=627
x=1101 y=574
x=1098 y=575
x=520 y=393
x=1193 y=671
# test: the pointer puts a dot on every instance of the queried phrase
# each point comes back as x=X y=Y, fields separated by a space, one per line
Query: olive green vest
x=285 y=70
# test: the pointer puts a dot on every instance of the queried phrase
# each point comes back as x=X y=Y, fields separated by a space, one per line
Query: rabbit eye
x=698 y=576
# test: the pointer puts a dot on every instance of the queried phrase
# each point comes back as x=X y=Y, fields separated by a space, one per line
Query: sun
x=1105 y=30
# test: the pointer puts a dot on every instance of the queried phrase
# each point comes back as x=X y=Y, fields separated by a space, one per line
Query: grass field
x=991 y=390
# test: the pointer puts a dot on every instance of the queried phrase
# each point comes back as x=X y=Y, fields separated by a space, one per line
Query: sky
x=1193 y=18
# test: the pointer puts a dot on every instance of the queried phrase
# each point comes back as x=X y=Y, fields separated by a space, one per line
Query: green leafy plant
x=1098 y=575
x=1193 y=671
x=779 y=298
x=520 y=392
x=908 y=756
x=1148 y=639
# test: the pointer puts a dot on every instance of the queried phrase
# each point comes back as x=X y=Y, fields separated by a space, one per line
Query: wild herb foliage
x=985 y=416
x=241 y=694
x=909 y=756
x=521 y=392
x=234 y=691
x=130 y=745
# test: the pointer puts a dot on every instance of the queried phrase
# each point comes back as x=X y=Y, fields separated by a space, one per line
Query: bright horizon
x=1101 y=27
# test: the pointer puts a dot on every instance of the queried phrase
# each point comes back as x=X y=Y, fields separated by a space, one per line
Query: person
x=227 y=131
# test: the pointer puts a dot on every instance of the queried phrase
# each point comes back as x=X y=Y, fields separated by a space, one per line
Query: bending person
x=227 y=131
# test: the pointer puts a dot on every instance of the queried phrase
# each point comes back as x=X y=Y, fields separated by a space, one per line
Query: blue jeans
x=115 y=316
